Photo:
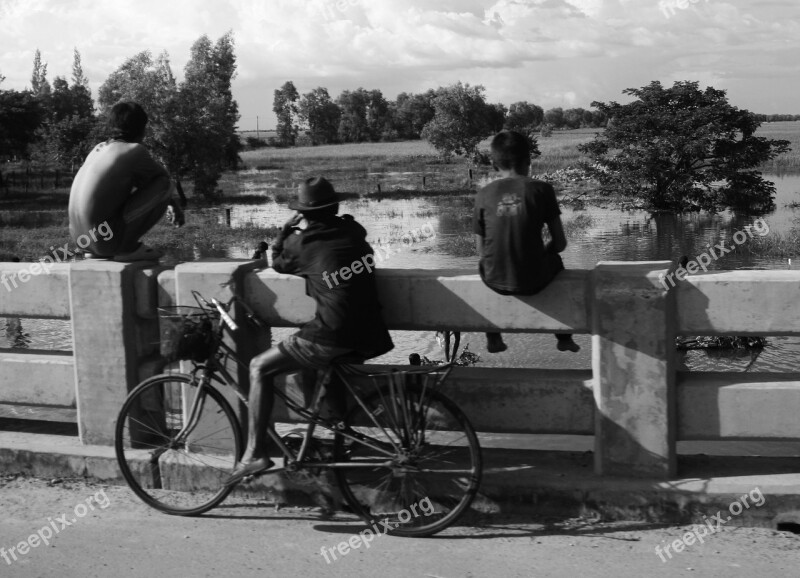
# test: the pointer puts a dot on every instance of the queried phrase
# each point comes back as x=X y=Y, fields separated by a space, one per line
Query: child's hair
x=126 y=121
x=511 y=150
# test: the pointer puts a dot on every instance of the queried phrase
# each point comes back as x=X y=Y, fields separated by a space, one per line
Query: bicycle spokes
x=436 y=460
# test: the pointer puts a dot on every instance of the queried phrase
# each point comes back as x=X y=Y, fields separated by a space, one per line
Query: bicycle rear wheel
x=416 y=462
x=175 y=471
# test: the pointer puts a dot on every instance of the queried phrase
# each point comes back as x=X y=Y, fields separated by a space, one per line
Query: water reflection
x=15 y=336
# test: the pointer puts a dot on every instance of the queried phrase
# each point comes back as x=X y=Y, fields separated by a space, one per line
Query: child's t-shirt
x=510 y=214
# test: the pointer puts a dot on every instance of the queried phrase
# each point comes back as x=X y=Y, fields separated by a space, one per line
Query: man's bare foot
x=495 y=343
x=568 y=345
x=244 y=469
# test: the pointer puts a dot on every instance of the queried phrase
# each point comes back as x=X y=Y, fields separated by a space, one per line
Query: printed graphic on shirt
x=509 y=206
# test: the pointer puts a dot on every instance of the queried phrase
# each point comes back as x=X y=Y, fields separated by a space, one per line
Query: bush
x=255 y=143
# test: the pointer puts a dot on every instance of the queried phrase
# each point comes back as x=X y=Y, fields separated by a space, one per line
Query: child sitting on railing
x=510 y=214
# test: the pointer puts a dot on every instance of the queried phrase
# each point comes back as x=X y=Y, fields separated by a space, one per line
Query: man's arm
x=283 y=258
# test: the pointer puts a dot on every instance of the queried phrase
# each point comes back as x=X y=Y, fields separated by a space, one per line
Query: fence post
x=108 y=342
x=633 y=362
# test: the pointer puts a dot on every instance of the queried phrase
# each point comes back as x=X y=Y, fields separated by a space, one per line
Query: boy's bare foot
x=495 y=343
x=568 y=345
x=142 y=253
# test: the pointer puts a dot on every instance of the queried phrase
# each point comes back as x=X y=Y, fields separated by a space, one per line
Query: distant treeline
x=363 y=115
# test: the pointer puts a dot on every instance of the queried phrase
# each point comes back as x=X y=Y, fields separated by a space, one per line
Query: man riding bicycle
x=333 y=256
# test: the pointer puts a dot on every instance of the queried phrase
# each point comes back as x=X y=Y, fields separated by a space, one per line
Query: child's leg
x=565 y=343
x=142 y=211
x=494 y=343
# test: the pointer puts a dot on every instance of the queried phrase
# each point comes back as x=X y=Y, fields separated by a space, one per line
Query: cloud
x=554 y=52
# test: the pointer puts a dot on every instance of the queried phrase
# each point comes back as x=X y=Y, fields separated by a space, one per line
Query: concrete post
x=108 y=343
x=633 y=350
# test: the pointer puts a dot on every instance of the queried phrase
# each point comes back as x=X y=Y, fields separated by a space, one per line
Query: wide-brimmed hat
x=315 y=193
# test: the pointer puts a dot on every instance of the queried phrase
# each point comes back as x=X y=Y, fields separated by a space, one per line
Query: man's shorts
x=311 y=354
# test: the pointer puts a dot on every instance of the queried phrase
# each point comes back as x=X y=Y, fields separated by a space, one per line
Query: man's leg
x=263 y=369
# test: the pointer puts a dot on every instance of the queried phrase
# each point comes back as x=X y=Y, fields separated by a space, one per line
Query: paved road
x=120 y=537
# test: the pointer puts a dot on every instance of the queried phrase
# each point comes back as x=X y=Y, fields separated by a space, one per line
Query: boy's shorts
x=311 y=354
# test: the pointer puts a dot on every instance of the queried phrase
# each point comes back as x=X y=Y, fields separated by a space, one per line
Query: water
x=396 y=224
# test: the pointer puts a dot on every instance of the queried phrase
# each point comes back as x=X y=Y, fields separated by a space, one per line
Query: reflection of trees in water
x=669 y=237
x=16 y=337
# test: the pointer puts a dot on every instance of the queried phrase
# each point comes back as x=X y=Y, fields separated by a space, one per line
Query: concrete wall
x=633 y=400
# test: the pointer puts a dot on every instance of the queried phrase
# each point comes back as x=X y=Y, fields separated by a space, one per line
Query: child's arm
x=558 y=241
x=479 y=244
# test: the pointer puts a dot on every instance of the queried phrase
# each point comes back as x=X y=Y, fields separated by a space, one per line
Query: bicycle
x=178 y=438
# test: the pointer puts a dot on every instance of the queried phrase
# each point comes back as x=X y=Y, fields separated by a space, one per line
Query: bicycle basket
x=187 y=333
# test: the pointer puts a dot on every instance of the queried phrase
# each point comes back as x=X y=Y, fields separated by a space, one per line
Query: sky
x=552 y=53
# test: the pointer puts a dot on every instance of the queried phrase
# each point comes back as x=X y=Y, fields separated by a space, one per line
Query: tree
x=573 y=118
x=683 y=148
x=145 y=81
x=284 y=105
x=411 y=112
x=321 y=115
x=555 y=117
x=496 y=116
x=524 y=117
x=39 y=85
x=81 y=94
x=378 y=116
x=353 y=126
x=21 y=114
x=459 y=122
x=202 y=138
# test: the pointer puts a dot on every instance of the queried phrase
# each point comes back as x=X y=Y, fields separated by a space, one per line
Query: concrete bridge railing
x=634 y=400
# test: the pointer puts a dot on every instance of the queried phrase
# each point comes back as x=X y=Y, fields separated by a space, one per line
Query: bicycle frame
x=215 y=370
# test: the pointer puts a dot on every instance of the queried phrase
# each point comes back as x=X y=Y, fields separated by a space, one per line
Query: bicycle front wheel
x=415 y=465
x=174 y=466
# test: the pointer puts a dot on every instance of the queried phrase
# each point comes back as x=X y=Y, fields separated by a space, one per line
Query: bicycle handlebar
x=224 y=315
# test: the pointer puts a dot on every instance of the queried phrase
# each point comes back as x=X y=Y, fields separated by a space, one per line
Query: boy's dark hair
x=511 y=150
x=127 y=121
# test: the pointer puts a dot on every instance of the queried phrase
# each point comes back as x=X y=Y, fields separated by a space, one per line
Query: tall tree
x=683 y=148
x=321 y=115
x=284 y=105
x=150 y=83
x=39 y=85
x=459 y=121
x=204 y=139
x=81 y=94
x=378 y=116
